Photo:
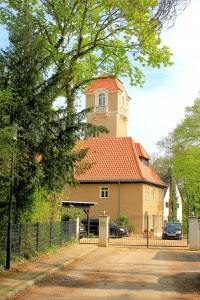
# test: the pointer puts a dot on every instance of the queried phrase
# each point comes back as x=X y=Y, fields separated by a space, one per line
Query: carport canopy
x=85 y=206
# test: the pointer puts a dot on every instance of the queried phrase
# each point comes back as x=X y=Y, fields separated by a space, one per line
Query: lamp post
x=8 y=251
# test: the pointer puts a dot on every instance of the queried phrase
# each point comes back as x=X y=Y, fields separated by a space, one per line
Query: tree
x=164 y=167
x=182 y=146
x=187 y=155
x=56 y=49
x=6 y=148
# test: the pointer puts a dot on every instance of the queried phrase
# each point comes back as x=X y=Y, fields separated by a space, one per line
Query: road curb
x=43 y=276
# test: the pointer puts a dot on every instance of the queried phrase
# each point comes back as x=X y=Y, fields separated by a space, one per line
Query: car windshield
x=174 y=226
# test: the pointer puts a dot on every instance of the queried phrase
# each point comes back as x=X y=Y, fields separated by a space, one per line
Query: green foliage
x=123 y=220
x=162 y=165
x=72 y=213
x=183 y=148
x=174 y=200
x=45 y=208
x=91 y=235
x=131 y=228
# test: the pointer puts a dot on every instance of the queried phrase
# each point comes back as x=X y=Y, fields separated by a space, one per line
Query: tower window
x=123 y=101
x=102 y=99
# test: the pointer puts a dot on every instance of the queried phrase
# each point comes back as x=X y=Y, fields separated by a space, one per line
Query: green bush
x=123 y=220
x=72 y=213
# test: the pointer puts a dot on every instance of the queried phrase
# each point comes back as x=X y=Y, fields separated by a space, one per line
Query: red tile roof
x=107 y=83
x=141 y=152
x=116 y=159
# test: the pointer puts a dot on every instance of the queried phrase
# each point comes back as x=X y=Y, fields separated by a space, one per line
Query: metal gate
x=146 y=231
x=149 y=231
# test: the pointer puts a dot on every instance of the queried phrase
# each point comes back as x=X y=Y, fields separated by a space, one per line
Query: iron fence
x=29 y=238
x=146 y=231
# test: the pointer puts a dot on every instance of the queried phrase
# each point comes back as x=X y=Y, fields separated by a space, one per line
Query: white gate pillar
x=103 y=230
x=77 y=227
x=194 y=233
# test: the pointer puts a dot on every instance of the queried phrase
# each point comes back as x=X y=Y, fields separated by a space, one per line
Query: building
x=168 y=209
x=121 y=178
x=110 y=106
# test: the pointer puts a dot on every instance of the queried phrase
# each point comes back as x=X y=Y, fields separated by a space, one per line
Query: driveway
x=124 y=272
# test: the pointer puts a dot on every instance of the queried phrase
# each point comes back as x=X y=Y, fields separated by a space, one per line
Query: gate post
x=194 y=233
x=103 y=230
x=147 y=231
x=77 y=228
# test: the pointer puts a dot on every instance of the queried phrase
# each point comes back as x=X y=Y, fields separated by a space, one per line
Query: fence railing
x=29 y=238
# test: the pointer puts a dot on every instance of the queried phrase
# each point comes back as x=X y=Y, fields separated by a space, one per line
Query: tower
x=110 y=106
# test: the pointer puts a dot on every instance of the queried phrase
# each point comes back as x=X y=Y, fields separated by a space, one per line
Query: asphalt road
x=124 y=272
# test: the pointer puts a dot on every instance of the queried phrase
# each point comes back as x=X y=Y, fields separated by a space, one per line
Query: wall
x=130 y=199
x=153 y=200
x=123 y=198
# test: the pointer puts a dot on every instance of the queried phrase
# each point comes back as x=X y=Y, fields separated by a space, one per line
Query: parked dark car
x=117 y=231
x=114 y=230
x=172 y=230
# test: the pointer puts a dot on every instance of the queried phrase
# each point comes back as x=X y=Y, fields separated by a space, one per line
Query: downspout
x=120 y=198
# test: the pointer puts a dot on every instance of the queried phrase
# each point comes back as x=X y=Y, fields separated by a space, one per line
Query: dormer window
x=102 y=99
x=144 y=161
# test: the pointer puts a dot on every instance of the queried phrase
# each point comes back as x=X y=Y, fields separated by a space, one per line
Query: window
x=104 y=192
x=153 y=221
x=166 y=204
x=123 y=101
x=102 y=99
x=144 y=161
x=177 y=205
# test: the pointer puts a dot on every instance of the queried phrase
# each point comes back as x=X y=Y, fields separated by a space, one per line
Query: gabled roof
x=110 y=84
x=115 y=159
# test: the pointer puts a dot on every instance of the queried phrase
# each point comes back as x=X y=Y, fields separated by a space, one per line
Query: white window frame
x=99 y=92
x=104 y=192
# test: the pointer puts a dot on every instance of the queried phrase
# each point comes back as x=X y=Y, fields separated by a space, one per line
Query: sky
x=160 y=105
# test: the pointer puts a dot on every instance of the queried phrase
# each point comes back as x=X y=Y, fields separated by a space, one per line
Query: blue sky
x=160 y=105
